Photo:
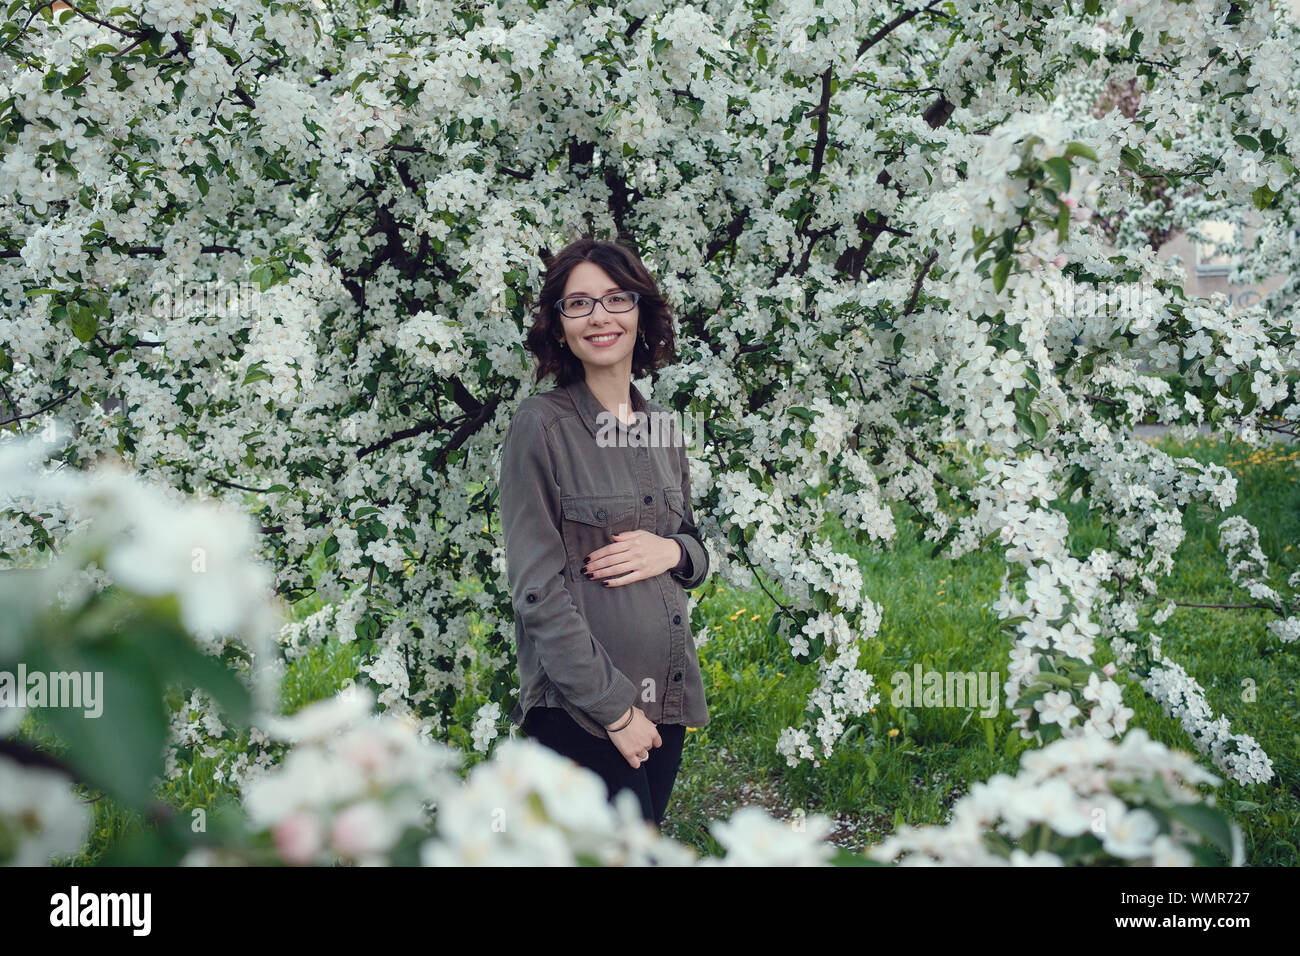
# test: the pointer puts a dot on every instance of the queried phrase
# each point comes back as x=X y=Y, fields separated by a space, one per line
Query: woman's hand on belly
x=633 y=556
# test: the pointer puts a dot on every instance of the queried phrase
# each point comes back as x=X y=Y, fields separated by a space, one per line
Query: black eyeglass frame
x=559 y=303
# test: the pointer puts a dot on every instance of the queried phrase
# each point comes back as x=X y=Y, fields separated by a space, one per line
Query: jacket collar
x=594 y=414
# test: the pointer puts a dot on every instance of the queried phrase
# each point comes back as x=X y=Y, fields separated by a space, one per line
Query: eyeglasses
x=576 y=306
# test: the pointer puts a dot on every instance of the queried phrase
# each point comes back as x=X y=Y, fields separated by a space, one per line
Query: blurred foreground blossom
x=530 y=806
x=753 y=838
x=40 y=815
x=1132 y=802
x=368 y=789
x=146 y=590
x=353 y=785
x=151 y=540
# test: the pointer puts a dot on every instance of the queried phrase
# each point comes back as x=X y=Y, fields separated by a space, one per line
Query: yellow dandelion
x=893 y=731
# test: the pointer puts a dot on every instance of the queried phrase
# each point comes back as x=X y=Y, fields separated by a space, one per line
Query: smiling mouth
x=604 y=337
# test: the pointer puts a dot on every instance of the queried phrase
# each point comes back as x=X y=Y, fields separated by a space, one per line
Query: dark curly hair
x=624 y=266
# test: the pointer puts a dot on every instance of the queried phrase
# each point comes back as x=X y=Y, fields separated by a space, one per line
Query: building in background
x=1208 y=270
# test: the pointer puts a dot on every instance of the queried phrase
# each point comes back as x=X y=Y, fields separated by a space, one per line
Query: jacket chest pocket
x=589 y=523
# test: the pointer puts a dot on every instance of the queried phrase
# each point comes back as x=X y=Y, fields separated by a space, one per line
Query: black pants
x=652 y=782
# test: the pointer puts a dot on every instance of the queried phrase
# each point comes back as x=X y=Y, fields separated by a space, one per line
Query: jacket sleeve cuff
x=614 y=703
x=697 y=561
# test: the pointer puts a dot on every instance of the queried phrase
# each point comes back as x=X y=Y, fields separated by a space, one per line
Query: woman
x=599 y=536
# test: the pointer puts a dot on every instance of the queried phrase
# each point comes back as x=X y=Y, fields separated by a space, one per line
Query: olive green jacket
x=571 y=476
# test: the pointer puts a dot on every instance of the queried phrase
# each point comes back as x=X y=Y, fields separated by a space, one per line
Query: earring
x=564 y=344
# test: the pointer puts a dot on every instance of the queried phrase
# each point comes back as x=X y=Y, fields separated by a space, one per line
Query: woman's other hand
x=635 y=740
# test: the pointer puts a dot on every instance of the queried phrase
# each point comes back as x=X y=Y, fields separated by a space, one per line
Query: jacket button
x=601 y=514
x=677 y=619
x=531 y=598
x=677 y=676
x=649 y=499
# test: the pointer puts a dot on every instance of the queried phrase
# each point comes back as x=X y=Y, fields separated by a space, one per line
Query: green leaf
x=1207 y=821
x=1060 y=680
x=1062 y=223
x=82 y=322
x=255 y=374
x=1000 y=273
x=1263 y=197
x=1040 y=425
x=1059 y=167
x=1080 y=149
x=1079 y=675
x=179 y=661
x=121 y=750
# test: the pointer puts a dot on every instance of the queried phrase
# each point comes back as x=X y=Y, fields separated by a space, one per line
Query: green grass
x=913 y=762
